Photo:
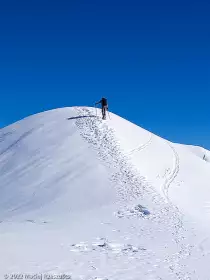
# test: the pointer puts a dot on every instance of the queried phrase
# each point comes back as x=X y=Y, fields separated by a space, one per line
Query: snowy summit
x=83 y=198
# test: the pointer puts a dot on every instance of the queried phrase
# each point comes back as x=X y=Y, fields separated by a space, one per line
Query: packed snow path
x=141 y=147
x=172 y=175
x=131 y=184
x=102 y=139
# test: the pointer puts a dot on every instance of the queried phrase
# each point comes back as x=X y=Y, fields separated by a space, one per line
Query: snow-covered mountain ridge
x=140 y=202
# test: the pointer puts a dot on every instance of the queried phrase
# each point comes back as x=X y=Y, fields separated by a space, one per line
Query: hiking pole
x=108 y=114
x=96 y=111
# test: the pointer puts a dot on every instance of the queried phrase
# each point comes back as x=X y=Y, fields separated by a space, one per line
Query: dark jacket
x=103 y=102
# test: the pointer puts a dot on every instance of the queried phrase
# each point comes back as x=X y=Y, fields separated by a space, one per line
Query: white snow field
x=86 y=199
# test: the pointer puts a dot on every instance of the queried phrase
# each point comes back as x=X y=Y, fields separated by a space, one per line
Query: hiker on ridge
x=104 y=106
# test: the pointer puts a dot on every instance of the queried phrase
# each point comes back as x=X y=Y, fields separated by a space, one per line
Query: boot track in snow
x=130 y=185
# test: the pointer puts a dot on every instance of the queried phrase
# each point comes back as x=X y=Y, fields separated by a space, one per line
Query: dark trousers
x=104 y=109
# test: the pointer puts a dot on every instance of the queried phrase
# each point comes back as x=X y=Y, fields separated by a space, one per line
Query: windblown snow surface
x=85 y=199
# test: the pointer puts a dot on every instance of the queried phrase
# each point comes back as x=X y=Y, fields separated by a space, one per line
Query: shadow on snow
x=80 y=117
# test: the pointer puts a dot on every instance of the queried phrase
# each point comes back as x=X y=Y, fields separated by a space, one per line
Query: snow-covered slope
x=100 y=199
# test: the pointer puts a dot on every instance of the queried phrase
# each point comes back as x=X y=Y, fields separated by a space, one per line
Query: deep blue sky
x=150 y=58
